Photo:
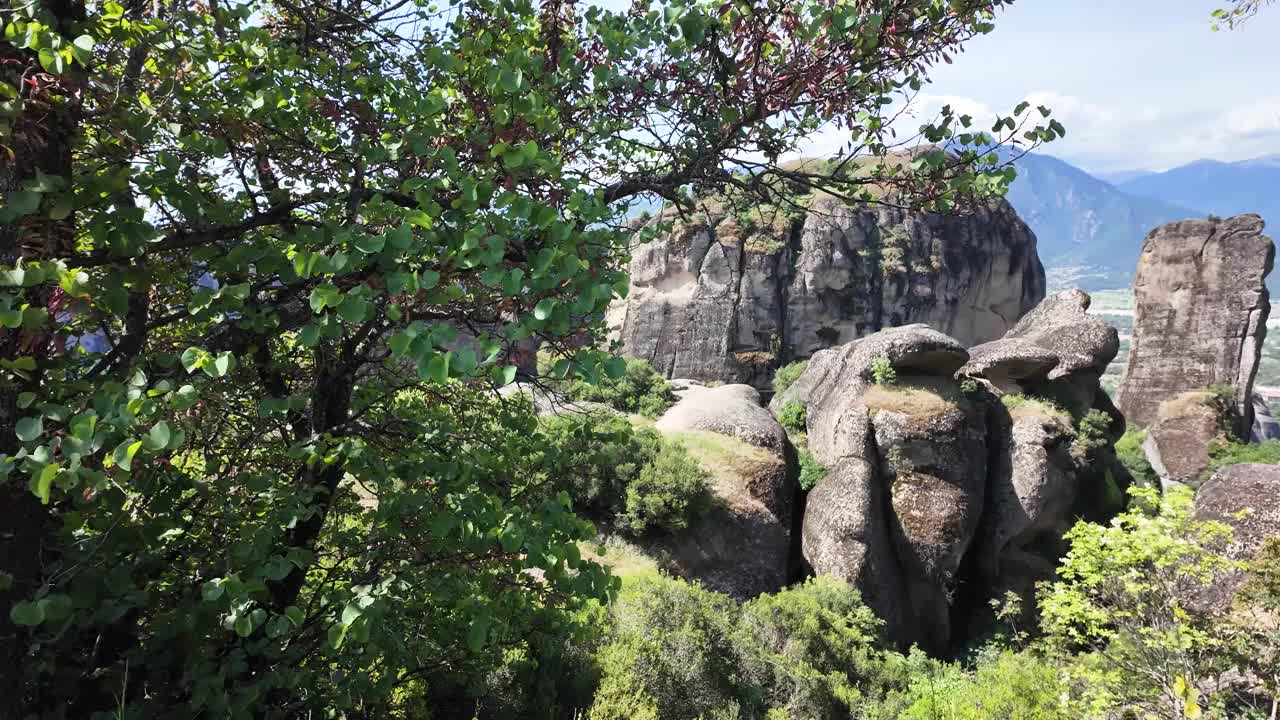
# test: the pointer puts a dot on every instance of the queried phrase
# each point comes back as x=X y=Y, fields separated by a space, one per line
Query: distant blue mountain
x=1122 y=176
x=1089 y=232
x=1221 y=188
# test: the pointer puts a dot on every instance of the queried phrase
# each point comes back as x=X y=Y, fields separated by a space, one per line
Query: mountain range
x=1090 y=228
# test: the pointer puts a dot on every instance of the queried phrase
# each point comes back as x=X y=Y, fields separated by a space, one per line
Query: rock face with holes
x=1200 y=315
x=729 y=299
x=951 y=478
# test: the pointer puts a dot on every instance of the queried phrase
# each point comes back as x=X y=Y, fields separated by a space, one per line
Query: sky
x=1139 y=84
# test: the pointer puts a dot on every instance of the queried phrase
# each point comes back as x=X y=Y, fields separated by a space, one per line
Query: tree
x=263 y=264
x=1127 y=594
x=1237 y=13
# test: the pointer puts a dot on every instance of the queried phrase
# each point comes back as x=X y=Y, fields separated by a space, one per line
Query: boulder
x=1084 y=344
x=718 y=299
x=733 y=410
x=1033 y=486
x=1010 y=364
x=1200 y=313
x=916 y=447
x=1265 y=425
x=1177 y=445
x=1246 y=497
x=744 y=547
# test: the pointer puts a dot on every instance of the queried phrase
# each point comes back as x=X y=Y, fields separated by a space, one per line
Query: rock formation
x=1265 y=425
x=1246 y=497
x=744 y=548
x=729 y=299
x=1186 y=426
x=1200 y=314
x=936 y=488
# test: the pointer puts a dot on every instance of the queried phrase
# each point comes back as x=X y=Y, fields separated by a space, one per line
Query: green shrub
x=812 y=651
x=670 y=491
x=1131 y=455
x=811 y=471
x=1091 y=434
x=787 y=375
x=669 y=654
x=620 y=476
x=641 y=390
x=1005 y=685
x=1222 y=454
x=793 y=416
x=882 y=371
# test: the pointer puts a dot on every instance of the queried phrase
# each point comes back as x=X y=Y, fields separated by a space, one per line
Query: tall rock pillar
x=1200 y=314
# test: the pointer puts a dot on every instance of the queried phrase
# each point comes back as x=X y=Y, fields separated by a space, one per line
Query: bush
x=1222 y=454
x=1134 y=459
x=793 y=417
x=787 y=375
x=882 y=371
x=669 y=492
x=1005 y=684
x=669 y=654
x=641 y=390
x=1091 y=434
x=811 y=471
x=623 y=477
x=812 y=651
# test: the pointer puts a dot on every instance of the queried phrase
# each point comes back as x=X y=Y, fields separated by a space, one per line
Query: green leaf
x=294 y=613
x=224 y=363
x=25 y=399
x=124 y=452
x=26 y=613
x=478 y=633
x=504 y=375
x=159 y=436
x=337 y=633
x=50 y=60
x=544 y=308
x=436 y=368
x=83 y=425
x=371 y=244
x=191 y=359
x=310 y=335
x=354 y=309
x=243 y=626
x=615 y=367
x=44 y=481
x=350 y=613
x=29 y=428
x=22 y=202
x=211 y=590
x=55 y=607
x=323 y=296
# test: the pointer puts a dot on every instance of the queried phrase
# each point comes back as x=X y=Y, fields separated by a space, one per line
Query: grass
x=1025 y=406
x=623 y=559
x=917 y=397
x=728 y=459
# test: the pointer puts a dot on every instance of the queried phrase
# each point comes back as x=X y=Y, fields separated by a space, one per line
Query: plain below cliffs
x=729 y=299
x=1200 y=315
x=955 y=482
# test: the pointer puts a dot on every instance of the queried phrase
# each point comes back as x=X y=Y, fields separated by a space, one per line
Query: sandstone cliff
x=1200 y=315
x=730 y=299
